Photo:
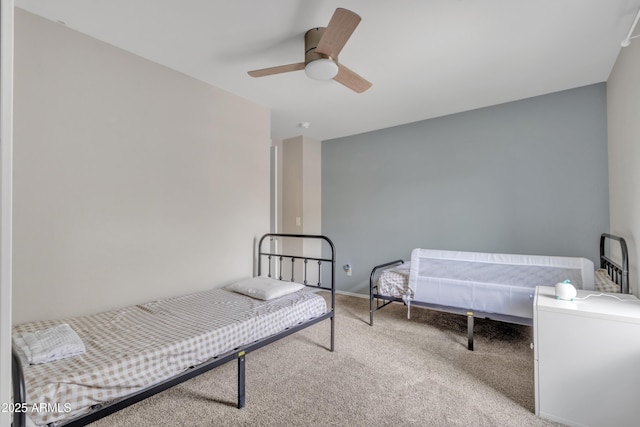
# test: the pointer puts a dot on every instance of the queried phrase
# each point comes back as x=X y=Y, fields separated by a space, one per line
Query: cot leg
x=241 y=384
x=470 y=330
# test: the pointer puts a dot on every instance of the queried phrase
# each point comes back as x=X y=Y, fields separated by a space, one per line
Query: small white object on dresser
x=587 y=358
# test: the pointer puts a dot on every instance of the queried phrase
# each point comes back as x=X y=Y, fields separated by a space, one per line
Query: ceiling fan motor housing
x=318 y=65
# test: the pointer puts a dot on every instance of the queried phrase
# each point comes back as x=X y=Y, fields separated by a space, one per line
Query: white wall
x=623 y=115
x=301 y=185
x=292 y=185
x=6 y=168
x=301 y=195
x=132 y=181
x=312 y=191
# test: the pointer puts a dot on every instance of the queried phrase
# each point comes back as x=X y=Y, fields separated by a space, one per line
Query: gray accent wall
x=526 y=177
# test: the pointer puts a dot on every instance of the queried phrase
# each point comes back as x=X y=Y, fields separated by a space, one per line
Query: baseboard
x=352 y=294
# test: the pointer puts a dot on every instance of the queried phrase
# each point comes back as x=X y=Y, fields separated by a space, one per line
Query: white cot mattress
x=132 y=348
x=485 y=282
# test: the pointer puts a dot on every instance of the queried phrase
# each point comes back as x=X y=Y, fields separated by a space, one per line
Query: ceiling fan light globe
x=321 y=69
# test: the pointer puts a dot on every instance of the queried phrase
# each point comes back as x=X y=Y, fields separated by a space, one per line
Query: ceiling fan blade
x=343 y=23
x=277 y=70
x=351 y=79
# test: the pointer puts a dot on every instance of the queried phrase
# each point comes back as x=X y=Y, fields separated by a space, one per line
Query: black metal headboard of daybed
x=619 y=272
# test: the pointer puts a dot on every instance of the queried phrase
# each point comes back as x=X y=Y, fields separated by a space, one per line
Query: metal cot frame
x=619 y=273
x=271 y=256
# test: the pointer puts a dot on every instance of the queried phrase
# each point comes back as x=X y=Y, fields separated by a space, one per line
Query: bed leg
x=19 y=397
x=241 y=384
x=333 y=331
x=470 y=330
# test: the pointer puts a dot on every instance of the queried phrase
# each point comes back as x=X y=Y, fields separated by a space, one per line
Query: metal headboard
x=619 y=273
x=276 y=261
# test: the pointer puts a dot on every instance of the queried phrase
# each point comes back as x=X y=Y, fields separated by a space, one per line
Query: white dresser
x=587 y=359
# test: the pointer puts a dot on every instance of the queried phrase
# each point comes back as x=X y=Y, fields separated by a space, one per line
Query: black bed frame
x=275 y=260
x=619 y=273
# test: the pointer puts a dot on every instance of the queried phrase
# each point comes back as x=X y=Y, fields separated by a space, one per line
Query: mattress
x=394 y=281
x=134 y=347
x=484 y=282
x=604 y=282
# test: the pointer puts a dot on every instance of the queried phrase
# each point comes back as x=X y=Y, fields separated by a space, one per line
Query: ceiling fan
x=322 y=46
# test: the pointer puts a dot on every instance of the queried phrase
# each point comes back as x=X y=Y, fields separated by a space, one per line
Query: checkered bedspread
x=604 y=282
x=394 y=281
x=138 y=346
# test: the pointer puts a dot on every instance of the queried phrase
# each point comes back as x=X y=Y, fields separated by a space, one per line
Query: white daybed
x=486 y=285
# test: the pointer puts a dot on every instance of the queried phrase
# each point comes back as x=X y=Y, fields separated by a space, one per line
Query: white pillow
x=264 y=288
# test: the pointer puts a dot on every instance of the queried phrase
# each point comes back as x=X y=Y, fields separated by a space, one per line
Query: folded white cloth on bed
x=47 y=345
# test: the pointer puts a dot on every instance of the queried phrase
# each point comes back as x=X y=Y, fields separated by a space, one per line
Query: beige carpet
x=398 y=372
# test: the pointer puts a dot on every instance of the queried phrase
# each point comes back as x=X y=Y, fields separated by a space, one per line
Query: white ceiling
x=425 y=58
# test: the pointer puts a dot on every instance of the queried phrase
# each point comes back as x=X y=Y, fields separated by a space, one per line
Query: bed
x=492 y=286
x=135 y=352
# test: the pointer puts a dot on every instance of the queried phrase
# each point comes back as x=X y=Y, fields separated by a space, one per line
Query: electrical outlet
x=347 y=269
